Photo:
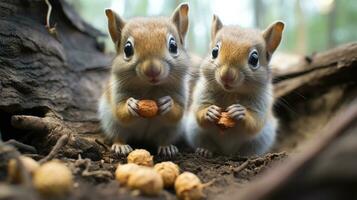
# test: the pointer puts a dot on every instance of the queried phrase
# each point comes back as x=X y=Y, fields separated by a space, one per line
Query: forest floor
x=227 y=173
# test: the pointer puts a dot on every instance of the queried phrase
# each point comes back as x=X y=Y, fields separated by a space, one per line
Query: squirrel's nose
x=227 y=74
x=227 y=77
x=152 y=72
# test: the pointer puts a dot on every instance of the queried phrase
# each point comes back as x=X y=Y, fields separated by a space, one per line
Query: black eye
x=172 y=46
x=215 y=52
x=128 y=49
x=253 y=59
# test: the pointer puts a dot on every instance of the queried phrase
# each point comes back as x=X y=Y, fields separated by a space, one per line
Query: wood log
x=324 y=169
x=51 y=75
x=311 y=92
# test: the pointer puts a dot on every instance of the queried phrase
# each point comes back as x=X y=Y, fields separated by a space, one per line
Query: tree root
x=60 y=143
x=97 y=174
x=62 y=134
x=38 y=124
x=242 y=166
x=21 y=146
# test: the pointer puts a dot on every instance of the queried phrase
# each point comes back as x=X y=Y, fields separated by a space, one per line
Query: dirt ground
x=225 y=173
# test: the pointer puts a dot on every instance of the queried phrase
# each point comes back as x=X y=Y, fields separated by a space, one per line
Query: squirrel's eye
x=128 y=49
x=215 y=52
x=253 y=60
x=172 y=46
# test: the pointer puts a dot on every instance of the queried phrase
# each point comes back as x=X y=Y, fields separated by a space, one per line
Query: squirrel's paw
x=165 y=104
x=213 y=113
x=168 y=151
x=133 y=106
x=121 y=149
x=203 y=152
x=236 y=111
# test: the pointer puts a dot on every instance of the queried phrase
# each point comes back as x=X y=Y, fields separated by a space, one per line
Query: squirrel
x=151 y=63
x=236 y=79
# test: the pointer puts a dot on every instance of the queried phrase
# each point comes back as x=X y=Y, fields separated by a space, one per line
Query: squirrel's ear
x=272 y=36
x=216 y=26
x=115 y=25
x=180 y=19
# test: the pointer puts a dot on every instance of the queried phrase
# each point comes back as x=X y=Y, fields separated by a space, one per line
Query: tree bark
x=55 y=74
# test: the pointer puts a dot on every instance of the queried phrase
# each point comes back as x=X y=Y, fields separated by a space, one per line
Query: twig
x=60 y=143
x=101 y=144
x=86 y=172
x=241 y=167
x=98 y=173
x=49 y=10
x=48 y=15
x=22 y=146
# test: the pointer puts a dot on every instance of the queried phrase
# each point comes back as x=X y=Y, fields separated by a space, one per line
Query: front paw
x=121 y=149
x=213 y=113
x=133 y=106
x=169 y=151
x=203 y=152
x=165 y=104
x=236 y=111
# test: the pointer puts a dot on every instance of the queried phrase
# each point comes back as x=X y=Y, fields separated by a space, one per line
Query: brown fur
x=230 y=80
x=132 y=78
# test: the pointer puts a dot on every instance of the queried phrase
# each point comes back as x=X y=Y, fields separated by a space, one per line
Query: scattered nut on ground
x=148 y=108
x=29 y=164
x=124 y=171
x=226 y=121
x=147 y=181
x=189 y=187
x=168 y=171
x=53 y=179
x=141 y=157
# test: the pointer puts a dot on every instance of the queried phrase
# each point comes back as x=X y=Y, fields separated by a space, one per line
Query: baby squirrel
x=151 y=64
x=236 y=79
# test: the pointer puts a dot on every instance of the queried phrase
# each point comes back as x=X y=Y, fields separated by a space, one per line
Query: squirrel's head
x=149 y=50
x=239 y=58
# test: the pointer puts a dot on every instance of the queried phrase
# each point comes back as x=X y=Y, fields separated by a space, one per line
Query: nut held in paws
x=148 y=108
x=141 y=157
x=226 y=121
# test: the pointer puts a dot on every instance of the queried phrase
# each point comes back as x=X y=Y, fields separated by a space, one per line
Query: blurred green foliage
x=311 y=25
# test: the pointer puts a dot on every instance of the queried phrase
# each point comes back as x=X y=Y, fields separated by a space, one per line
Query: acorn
x=148 y=108
x=124 y=171
x=147 y=181
x=53 y=179
x=225 y=121
x=189 y=187
x=29 y=164
x=141 y=157
x=169 y=171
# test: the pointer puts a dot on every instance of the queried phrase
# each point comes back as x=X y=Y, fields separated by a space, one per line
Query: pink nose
x=152 y=72
x=227 y=78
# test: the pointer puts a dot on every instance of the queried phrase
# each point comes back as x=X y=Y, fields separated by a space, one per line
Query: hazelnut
x=53 y=179
x=148 y=108
x=147 y=181
x=226 y=121
x=123 y=172
x=29 y=164
x=141 y=157
x=189 y=187
x=168 y=171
